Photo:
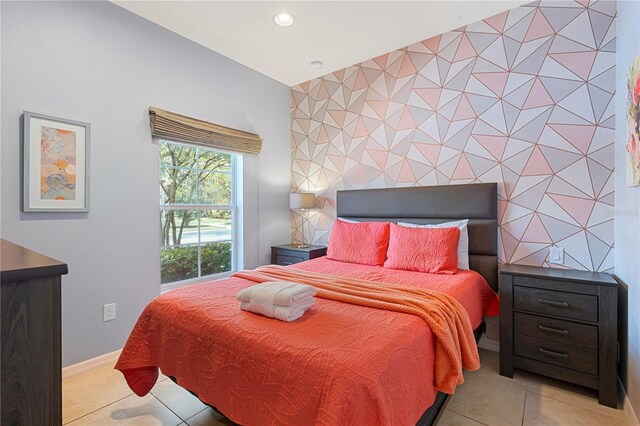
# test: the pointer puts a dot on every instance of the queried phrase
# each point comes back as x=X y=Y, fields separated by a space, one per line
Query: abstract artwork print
x=58 y=164
x=633 y=125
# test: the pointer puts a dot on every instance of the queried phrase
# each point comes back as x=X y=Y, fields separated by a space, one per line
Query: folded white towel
x=282 y=300
x=282 y=293
x=282 y=313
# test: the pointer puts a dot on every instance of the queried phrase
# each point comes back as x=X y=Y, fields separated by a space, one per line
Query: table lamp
x=303 y=201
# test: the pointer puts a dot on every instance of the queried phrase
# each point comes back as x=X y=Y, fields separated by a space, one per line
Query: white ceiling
x=338 y=33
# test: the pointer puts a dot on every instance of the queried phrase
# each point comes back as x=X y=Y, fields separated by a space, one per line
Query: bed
x=339 y=364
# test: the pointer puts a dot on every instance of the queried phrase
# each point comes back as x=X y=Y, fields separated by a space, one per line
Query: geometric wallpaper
x=524 y=98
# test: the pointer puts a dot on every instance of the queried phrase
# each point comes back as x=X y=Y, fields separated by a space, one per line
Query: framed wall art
x=56 y=164
x=633 y=124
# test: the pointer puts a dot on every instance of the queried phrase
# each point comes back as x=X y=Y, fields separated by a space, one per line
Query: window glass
x=197 y=212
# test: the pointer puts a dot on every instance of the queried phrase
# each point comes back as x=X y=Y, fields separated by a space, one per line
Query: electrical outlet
x=556 y=255
x=109 y=312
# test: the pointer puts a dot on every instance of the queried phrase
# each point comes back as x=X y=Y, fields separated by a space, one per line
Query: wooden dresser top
x=599 y=278
x=18 y=263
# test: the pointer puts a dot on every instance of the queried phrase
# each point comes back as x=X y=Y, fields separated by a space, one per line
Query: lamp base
x=303 y=245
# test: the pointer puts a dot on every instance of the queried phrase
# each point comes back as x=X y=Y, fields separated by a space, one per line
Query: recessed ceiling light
x=283 y=19
x=316 y=64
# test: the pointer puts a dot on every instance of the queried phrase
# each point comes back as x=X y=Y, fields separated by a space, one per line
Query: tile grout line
x=100 y=408
x=167 y=407
x=177 y=415
x=467 y=417
x=205 y=409
x=527 y=383
x=621 y=412
x=533 y=392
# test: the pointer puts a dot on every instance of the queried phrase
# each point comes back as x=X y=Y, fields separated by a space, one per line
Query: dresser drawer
x=570 y=333
x=556 y=353
x=568 y=305
x=288 y=260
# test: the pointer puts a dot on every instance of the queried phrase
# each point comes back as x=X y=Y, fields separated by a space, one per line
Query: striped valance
x=176 y=127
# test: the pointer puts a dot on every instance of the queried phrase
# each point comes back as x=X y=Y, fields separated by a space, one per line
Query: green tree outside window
x=196 y=222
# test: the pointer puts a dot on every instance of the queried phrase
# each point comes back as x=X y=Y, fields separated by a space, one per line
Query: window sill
x=177 y=284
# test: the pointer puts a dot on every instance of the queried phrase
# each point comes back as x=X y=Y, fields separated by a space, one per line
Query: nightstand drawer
x=556 y=353
x=557 y=303
x=570 y=333
x=288 y=260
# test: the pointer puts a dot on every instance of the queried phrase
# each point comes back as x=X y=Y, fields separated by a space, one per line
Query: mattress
x=339 y=364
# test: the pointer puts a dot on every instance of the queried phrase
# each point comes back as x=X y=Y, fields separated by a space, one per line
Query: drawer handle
x=287 y=263
x=552 y=303
x=553 y=330
x=552 y=353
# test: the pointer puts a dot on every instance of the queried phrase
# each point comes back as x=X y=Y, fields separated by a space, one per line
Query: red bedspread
x=339 y=364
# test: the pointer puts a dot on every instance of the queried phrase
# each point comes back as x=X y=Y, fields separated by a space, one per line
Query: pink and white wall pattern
x=524 y=98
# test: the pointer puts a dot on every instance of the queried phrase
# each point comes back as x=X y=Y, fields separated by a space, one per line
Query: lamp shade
x=302 y=200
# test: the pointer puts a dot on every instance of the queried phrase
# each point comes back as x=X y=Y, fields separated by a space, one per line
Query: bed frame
x=430 y=205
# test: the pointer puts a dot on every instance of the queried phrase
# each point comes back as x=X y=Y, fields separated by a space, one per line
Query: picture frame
x=55 y=164
x=633 y=124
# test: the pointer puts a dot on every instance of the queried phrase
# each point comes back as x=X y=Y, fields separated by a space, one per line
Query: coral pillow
x=463 y=242
x=364 y=243
x=431 y=250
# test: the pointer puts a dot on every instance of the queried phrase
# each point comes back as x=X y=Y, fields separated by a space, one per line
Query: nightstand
x=561 y=324
x=288 y=254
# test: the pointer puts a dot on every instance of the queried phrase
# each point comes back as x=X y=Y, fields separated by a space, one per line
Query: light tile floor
x=486 y=398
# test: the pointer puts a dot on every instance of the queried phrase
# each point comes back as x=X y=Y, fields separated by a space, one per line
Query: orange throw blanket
x=455 y=346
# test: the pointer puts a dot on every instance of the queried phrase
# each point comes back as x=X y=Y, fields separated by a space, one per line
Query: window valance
x=176 y=127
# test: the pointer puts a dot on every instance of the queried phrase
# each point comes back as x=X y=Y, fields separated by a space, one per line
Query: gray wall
x=627 y=204
x=95 y=62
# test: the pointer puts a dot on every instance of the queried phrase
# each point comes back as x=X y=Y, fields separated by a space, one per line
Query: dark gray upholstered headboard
x=477 y=202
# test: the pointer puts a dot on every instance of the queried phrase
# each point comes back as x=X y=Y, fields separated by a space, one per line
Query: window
x=197 y=212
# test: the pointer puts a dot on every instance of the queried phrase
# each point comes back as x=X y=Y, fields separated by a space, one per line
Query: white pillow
x=463 y=242
x=348 y=220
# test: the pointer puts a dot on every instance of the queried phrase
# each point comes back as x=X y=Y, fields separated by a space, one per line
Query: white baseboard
x=90 y=365
x=626 y=404
x=488 y=344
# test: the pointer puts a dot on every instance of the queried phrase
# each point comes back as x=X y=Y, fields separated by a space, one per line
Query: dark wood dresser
x=288 y=254
x=30 y=353
x=561 y=324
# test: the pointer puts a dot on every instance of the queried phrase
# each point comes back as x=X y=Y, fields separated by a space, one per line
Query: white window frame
x=236 y=159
